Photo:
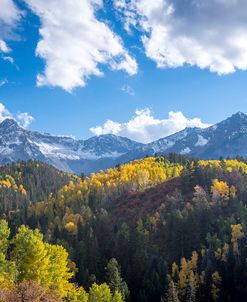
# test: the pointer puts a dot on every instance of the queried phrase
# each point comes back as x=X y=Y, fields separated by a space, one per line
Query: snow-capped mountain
x=65 y=153
x=227 y=138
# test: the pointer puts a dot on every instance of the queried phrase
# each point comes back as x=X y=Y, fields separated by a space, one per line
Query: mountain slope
x=227 y=138
x=65 y=153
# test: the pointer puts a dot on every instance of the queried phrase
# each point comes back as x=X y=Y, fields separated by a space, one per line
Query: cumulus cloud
x=74 y=43
x=209 y=34
x=4 y=47
x=9 y=13
x=23 y=119
x=144 y=127
x=127 y=11
x=9 y=17
x=4 y=113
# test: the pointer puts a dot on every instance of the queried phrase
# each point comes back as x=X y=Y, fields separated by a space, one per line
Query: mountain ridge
x=226 y=138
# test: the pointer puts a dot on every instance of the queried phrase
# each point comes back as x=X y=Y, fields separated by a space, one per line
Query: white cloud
x=209 y=34
x=9 y=13
x=74 y=43
x=9 y=17
x=9 y=59
x=23 y=119
x=4 y=47
x=144 y=127
x=128 y=90
x=4 y=113
x=127 y=11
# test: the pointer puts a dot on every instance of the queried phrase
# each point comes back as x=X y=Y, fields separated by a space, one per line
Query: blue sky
x=207 y=84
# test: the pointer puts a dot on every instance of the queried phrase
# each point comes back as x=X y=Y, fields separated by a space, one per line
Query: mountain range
x=227 y=138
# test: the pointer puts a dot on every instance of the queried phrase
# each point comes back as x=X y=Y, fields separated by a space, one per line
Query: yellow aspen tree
x=59 y=273
x=237 y=234
x=225 y=251
x=215 y=288
x=194 y=260
x=220 y=190
x=31 y=255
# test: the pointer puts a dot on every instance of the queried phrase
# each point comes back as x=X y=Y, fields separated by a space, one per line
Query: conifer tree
x=114 y=279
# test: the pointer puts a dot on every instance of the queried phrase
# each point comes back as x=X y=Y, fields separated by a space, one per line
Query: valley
x=166 y=227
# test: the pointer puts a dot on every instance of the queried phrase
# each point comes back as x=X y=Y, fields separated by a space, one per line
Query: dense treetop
x=169 y=228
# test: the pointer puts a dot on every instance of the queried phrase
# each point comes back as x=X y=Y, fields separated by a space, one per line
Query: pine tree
x=114 y=279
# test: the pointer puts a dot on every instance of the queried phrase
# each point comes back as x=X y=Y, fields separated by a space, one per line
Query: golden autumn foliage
x=9 y=183
x=134 y=176
x=187 y=274
x=236 y=235
x=221 y=191
x=228 y=164
x=210 y=217
x=33 y=260
x=215 y=288
x=222 y=253
x=191 y=274
x=71 y=227
x=37 y=271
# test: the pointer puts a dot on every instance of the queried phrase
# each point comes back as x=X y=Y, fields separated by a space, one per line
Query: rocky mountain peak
x=9 y=124
x=227 y=138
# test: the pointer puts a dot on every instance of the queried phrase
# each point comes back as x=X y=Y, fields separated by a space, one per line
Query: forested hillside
x=157 y=229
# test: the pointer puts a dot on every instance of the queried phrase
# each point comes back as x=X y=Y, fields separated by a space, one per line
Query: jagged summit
x=240 y=115
x=9 y=123
x=226 y=138
x=65 y=153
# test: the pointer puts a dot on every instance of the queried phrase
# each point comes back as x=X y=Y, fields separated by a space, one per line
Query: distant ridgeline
x=227 y=138
x=166 y=228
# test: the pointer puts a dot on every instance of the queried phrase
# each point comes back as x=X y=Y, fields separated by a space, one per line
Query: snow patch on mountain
x=227 y=138
x=202 y=141
x=185 y=151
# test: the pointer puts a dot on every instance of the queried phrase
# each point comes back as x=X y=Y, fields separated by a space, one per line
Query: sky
x=136 y=68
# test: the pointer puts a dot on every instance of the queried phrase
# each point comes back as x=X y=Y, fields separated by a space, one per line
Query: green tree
x=114 y=279
x=58 y=270
x=31 y=255
x=4 y=236
x=41 y=262
x=77 y=294
x=100 y=293
x=117 y=297
x=7 y=268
